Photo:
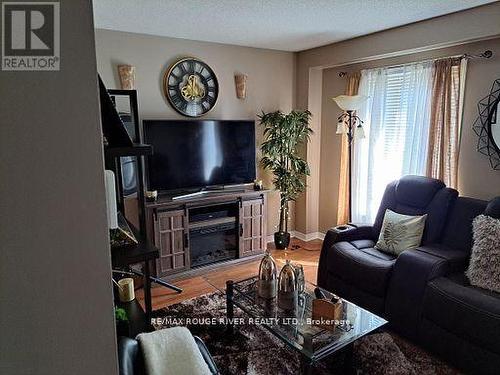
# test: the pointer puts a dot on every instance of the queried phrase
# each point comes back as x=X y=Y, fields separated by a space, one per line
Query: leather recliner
x=424 y=293
x=352 y=267
x=131 y=361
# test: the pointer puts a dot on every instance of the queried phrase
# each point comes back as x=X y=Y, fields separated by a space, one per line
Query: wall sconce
x=240 y=82
x=127 y=76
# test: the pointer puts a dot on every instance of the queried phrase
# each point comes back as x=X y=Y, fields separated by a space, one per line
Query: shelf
x=131 y=254
x=212 y=222
x=137 y=149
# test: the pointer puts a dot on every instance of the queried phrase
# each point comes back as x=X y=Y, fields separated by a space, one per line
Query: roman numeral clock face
x=191 y=87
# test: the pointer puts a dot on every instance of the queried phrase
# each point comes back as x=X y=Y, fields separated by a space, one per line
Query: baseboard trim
x=301 y=236
x=309 y=236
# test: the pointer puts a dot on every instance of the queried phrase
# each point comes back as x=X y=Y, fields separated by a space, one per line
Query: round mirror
x=487 y=125
x=494 y=125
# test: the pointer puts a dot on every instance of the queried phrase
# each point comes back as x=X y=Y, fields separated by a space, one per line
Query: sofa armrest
x=456 y=260
x=130 y=360
x=348 y=232
x=340 y=233
x=206 y=355
x=411 y=273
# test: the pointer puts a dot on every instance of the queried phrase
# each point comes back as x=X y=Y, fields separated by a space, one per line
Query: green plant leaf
x=283 y=135
x=120 y=314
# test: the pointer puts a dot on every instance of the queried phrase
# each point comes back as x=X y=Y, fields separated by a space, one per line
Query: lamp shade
x=341 y=128
x=359 y=133
x=350 y=102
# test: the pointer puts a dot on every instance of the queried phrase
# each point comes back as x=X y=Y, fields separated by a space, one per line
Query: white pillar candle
x=109 y=183
x=126 y=289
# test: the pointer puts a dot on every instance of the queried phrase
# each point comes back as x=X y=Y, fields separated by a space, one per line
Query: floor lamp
x=351 y=125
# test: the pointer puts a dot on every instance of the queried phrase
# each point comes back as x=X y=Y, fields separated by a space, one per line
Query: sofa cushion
x=429 y=196
x=417 y=191
x=365 y=268
x=360 y=244
x=400 y=232
x=484 y=267
x=462 y=353
x=469 y=312
x=493 y=208
x=457 y=234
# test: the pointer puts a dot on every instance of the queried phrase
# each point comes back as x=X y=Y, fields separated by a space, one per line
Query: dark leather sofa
x=423 y=292
x=131 y=362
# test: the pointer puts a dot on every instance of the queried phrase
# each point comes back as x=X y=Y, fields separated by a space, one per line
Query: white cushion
x=400 y=232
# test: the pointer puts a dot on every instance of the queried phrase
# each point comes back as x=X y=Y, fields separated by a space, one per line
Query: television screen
x=196 y=154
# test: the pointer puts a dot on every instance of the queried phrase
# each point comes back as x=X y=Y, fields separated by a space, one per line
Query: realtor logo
x=30 y=36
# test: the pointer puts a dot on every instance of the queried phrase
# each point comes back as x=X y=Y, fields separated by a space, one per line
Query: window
x=396 y=123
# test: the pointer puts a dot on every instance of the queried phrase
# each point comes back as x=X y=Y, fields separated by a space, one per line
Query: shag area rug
x=252 y=349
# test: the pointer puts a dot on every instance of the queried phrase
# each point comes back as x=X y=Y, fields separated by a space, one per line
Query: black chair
x=131 y=361
x=352 y=267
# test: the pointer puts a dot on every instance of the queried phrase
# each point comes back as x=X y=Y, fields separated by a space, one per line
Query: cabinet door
x=252 y=227
x=170 y=238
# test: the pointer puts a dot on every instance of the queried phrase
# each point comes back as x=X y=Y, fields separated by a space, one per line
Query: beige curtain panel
x=343 y=202
x=444 y=133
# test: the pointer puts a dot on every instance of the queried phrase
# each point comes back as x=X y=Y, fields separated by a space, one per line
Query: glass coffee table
x=296 y=328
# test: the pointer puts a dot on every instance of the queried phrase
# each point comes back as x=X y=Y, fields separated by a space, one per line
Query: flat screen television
x=193 y=154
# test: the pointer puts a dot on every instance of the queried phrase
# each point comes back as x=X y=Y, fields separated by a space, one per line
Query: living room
x=250 y=187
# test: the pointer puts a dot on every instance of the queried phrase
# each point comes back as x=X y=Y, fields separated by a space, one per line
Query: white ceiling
x=289 y=25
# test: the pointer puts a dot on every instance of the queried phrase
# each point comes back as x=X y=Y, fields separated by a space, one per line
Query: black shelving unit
x=144 y=251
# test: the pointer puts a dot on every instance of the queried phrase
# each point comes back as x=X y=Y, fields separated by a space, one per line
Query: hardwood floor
x=305 y=253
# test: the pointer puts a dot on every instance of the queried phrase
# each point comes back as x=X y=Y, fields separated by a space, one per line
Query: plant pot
x=281 y=240
x=122 y=328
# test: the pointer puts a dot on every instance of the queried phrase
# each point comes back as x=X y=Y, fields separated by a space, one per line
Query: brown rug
x=252 y=349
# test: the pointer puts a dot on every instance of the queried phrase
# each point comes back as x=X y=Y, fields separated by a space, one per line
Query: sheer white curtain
x=396 y=123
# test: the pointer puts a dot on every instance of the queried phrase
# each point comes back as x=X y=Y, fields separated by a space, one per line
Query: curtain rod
x=485 y=55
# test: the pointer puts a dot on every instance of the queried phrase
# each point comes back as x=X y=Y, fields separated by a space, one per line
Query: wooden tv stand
x=170 y=224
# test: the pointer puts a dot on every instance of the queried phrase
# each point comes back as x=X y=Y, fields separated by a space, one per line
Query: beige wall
x=56 y=304
x=423 y=40
x=476 y=178
x=271 y=77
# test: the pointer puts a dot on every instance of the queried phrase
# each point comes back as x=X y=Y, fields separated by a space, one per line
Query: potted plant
x=283 y=134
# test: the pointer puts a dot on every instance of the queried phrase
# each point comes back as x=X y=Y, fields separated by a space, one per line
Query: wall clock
x=191 y=87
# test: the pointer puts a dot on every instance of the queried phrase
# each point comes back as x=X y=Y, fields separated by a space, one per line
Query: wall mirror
x=487 y=125
x=495 y=126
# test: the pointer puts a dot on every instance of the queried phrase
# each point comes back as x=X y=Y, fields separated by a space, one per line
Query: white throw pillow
x=400 y=232
x=484 y=266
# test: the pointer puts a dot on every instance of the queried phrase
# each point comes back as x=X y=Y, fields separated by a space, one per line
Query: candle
x=126 y=289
